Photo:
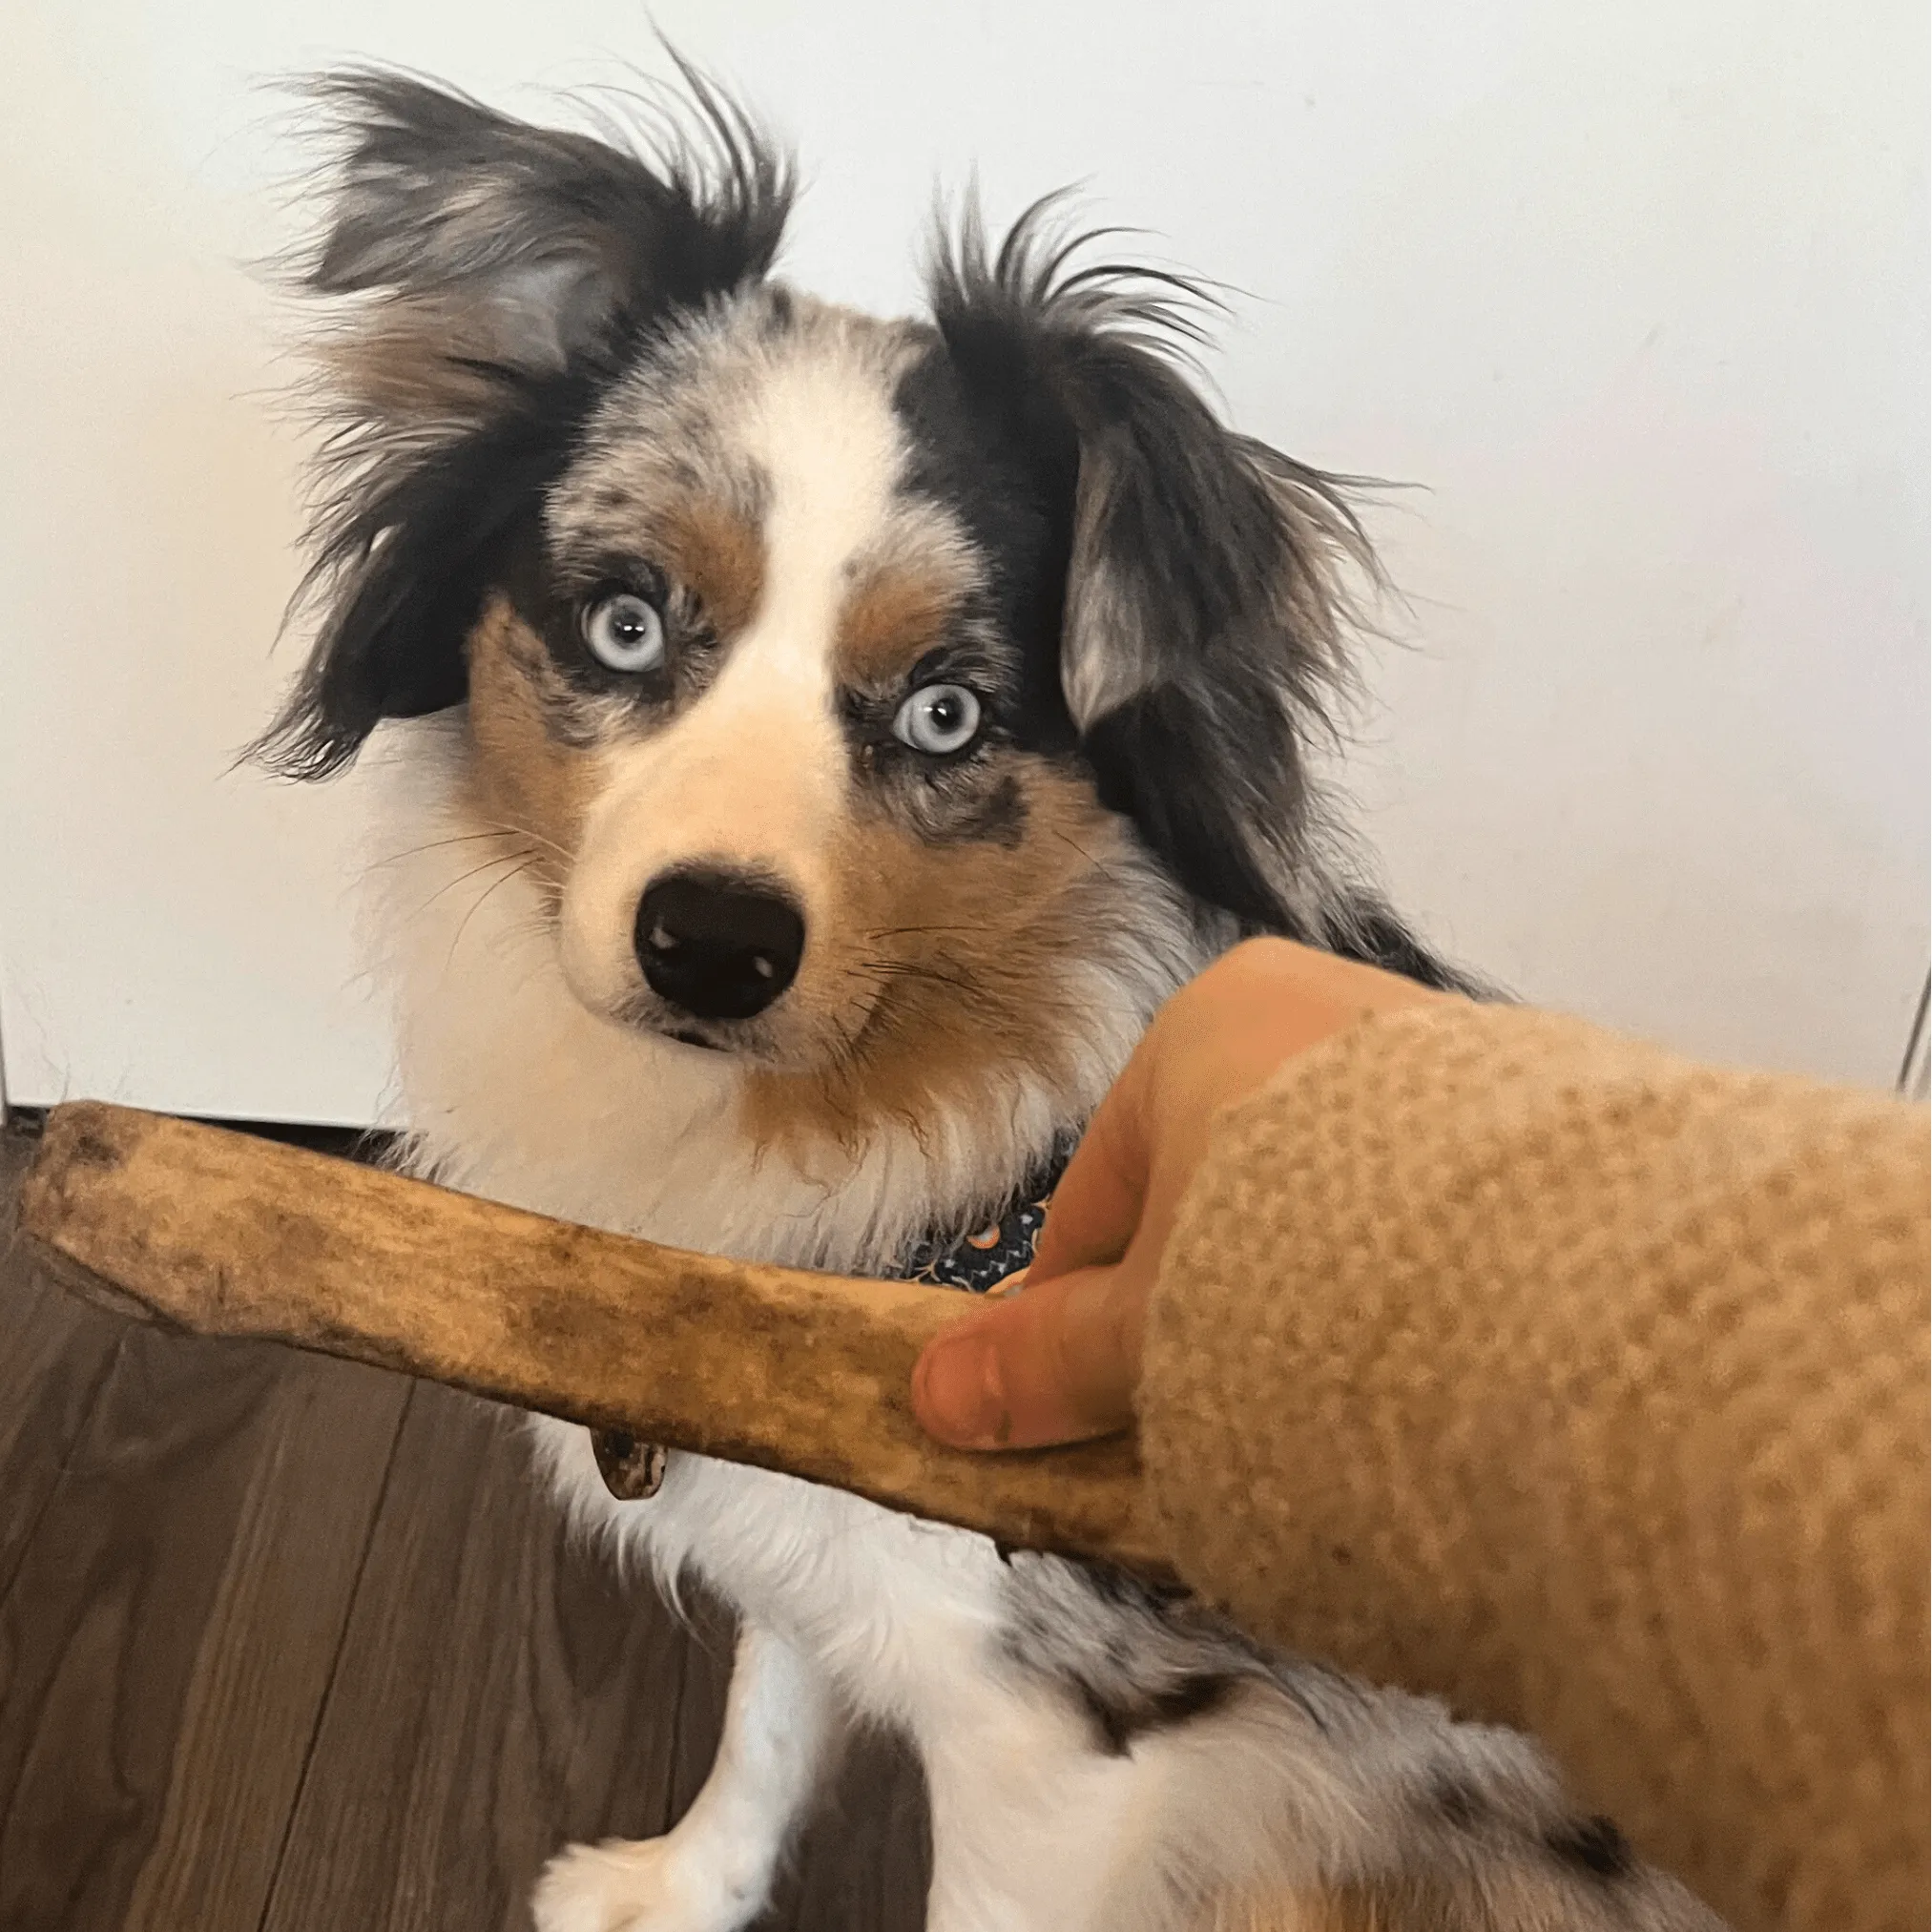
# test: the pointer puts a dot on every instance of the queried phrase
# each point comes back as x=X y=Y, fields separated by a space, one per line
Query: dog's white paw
x=645 y=1886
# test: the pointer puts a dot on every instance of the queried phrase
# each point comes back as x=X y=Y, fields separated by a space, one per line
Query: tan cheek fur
x=524 y=782
x=945 y=967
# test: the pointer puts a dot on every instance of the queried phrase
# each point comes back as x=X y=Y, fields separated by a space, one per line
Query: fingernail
x=961 y=1399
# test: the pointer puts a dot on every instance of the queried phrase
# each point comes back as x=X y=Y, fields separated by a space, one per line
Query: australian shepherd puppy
x=836 y=737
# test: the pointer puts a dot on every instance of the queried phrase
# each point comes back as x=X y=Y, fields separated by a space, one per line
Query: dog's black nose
x=719 y=948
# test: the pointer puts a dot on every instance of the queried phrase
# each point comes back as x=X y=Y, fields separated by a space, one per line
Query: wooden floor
x=289 y=1645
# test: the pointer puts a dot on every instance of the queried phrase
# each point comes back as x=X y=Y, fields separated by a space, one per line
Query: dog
x=822 y=744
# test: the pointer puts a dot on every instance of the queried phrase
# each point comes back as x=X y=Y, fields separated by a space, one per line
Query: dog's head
x=840 y=676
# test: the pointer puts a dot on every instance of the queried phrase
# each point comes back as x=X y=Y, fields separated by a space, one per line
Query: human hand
x=1061 y=1362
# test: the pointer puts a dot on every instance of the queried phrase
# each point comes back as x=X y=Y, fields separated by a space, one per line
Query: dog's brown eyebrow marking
x=716 y=554
x=891 y=617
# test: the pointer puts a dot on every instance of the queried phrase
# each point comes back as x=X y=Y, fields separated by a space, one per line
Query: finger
x=1059 y=1363
x=1097 y=1206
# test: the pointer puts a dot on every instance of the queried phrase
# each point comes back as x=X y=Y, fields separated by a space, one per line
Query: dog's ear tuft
x=488 y=280
x=1206 y=606
x=539 y=250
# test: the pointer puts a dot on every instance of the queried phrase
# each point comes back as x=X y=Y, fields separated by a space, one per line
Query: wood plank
x=170 y=1632
x=271 y=1648
x=149 y=1767
x=499 y=1695
x=55 y=1352
x=503 y=1692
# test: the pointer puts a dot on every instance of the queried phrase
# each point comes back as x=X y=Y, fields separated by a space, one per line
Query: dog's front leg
x=713 y=1872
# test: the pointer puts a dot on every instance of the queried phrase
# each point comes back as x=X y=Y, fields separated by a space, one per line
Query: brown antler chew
x=230 y=1234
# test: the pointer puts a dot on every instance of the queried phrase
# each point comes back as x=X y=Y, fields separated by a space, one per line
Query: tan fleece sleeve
x=1504 y=1359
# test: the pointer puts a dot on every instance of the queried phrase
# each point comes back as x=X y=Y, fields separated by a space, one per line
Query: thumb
x=1055 y=1363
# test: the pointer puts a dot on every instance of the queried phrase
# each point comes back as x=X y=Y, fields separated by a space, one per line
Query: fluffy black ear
x=489 y=279
x=1204 y=616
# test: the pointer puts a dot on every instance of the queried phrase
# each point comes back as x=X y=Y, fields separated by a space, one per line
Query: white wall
x=1637 y=292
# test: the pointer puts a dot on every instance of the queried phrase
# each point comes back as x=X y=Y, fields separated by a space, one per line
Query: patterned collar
x=975 y=1262
x=984 y=1258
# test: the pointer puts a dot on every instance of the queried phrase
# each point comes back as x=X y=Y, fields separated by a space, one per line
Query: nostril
x=719 y=945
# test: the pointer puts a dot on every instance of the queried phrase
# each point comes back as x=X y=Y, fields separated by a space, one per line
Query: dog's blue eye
x=624 y=632
x=938 y=718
